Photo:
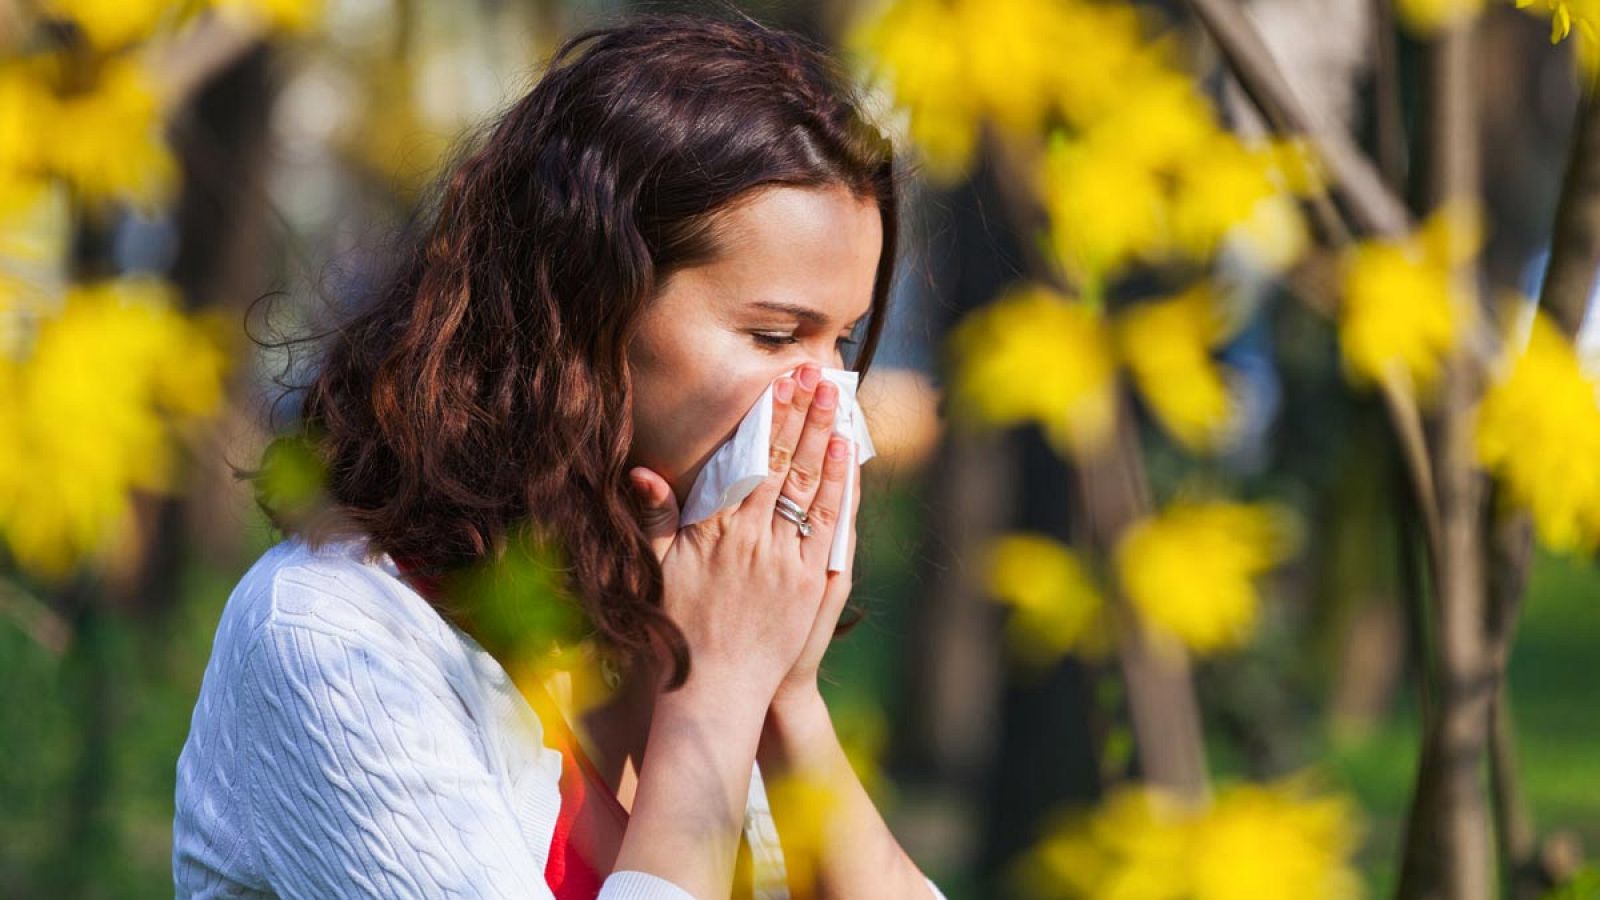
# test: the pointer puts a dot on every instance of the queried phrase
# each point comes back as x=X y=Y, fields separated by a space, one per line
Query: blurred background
x=1233 y=523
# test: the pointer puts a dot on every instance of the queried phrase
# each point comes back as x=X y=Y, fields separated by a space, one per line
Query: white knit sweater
x=350 y=741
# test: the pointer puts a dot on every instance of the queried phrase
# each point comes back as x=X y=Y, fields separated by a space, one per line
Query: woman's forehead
x=816 y=249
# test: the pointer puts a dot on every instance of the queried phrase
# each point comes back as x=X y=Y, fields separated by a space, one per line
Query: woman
x=682 y=212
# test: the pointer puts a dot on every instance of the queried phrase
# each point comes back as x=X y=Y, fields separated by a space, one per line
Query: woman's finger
x=805 y=469
x=785 y=436
x=656 y=506
x=826 y=508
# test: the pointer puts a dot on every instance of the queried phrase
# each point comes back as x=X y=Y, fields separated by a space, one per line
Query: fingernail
x=809 y=377
x=836 y=449
x=783 y=391
x=826 y=395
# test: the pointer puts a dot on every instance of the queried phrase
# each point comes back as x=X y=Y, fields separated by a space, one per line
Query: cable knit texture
x=349 y=741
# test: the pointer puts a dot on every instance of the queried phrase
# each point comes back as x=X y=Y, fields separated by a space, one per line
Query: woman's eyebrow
x=803 y=313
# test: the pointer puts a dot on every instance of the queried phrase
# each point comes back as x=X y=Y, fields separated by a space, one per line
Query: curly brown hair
x=484 y=392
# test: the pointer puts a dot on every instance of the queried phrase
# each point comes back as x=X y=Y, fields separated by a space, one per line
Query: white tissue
x=742 y=462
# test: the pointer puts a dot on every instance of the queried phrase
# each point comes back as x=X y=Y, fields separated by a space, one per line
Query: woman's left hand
x=799 y=686
x=798 y=689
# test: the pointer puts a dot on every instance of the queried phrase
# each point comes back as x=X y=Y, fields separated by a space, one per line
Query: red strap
x=569 y=874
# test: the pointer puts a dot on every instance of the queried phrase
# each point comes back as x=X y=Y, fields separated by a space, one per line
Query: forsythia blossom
x=1035 y=355
x=1262 y=841
x=93 y=411
x=1538 y=431
x=1564 y=15
x=1190 y=570
x=1400 y=315
x=1056 y=608
x=1167 y=345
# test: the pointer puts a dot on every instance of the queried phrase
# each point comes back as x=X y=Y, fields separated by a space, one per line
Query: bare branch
x=1372 y=204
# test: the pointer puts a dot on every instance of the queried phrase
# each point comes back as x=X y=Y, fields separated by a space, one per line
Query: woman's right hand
x=743 y=585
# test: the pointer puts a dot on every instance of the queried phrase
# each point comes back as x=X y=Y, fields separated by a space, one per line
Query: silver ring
x=792 y=506
x=799 y=519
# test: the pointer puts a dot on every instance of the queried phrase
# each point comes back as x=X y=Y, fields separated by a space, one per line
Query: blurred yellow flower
x=92 y=412
x=1400 y=315
x=1224 y=184
x=1135 y=846
x=1190 y=570
x=1256 y=841
x=1035 y=355
x=1159 y=178
x=107 y=141
x=1167 y=345
x=914 y=42
x=1106 y=208
x=24 y=104
x=802 y=806
x=1056 y=608
x=1538 y=431
x=1275 y=842
x=1101 y=54
x=1566 y=13
x=1138 y=166
x=1019 y=63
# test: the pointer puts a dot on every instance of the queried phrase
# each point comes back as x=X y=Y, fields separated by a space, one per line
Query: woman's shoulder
x=341 y=589
x=347 y=722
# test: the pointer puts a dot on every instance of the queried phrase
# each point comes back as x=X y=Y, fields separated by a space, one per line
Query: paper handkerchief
x=742 y=462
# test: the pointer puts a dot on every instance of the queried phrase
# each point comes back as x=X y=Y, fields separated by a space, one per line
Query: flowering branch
x=1376 y=208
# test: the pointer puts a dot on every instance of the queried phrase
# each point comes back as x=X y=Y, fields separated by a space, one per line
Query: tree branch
x=1375 y=208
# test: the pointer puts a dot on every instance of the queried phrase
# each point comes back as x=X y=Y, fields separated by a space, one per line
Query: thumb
x=658 y=508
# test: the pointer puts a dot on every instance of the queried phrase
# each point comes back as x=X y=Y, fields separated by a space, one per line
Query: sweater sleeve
x=364 y=781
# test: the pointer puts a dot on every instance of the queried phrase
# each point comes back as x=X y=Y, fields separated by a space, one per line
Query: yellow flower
x=1143 y=167
x=1538 y=431
x=1190 y=570
x=1135 y=846
x=1158 y=178
x=94 y=411
x=916 y=44
x=1055 y=606
x=1275 y=842
x=107 y=141
x=1106 y=207
x=802 y=807
x=1400 y=315
x=24 y=105
x=1167 y=345
x=1162 y=122
x=1224 y=184
x=953 y=64
x=1256 y=841
x=1103 y=54
x=1565 y=13
x=1034 y=355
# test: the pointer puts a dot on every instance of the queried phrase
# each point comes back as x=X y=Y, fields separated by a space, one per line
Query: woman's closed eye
x=784 y=340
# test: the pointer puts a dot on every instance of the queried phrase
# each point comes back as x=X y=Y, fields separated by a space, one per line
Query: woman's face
x=719 y=333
